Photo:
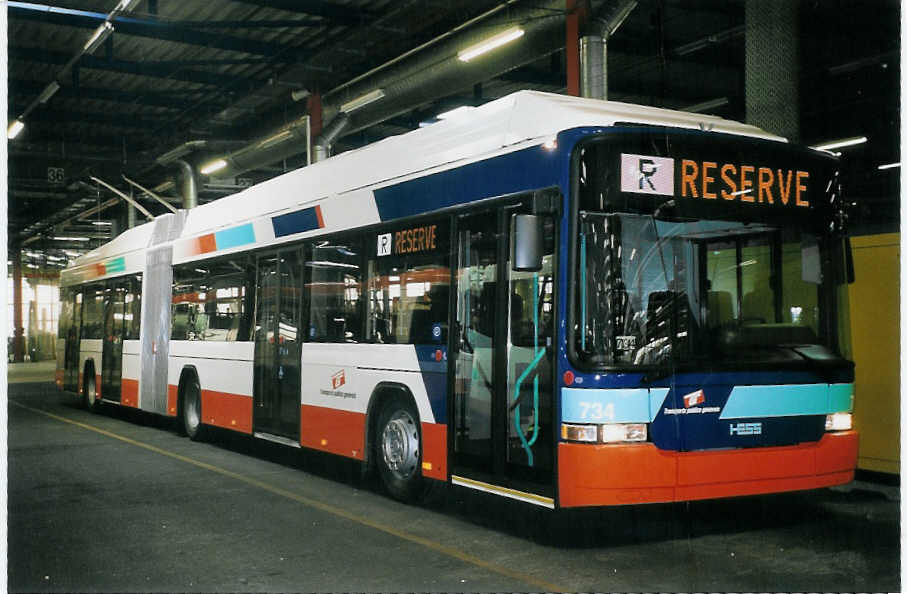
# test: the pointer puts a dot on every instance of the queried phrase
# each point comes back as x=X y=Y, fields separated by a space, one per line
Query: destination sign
x=409 y=241
x=711 y=180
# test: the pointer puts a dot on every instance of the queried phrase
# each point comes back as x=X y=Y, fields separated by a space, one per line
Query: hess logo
x=746 y=428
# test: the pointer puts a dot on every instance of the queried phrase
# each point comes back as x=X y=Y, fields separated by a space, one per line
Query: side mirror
x=526 y=241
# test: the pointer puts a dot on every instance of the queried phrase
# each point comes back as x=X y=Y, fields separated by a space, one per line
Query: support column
x=772 y=73
x=18 y=329
x=577 y=15
x=315 y=121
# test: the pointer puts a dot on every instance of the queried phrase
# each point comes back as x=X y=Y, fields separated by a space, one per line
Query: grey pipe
x=593 y=48
x=322 y=145
x=188 y=184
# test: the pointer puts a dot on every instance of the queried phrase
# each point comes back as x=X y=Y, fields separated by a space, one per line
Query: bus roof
x=515 y=121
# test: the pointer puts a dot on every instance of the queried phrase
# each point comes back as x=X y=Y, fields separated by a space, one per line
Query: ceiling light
x=48 y=91
x=827 y=146
x=889 y=166
x=362 y=100
x=102 y=223
x=456 y=112
x=100 y=34
x=126 y=5
x=68 y=238
x=489 y=44
x=14 y=129
x=707 y=105
x=213 y=166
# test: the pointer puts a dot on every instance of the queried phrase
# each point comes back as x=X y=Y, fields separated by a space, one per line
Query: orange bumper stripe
x=641 y=473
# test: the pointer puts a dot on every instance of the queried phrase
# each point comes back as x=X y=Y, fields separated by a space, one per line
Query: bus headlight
x=573 y=432
x=616 y=432
x=608 y=433
x=839 y=421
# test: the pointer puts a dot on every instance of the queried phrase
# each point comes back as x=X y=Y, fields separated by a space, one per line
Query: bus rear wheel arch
x=189 y=405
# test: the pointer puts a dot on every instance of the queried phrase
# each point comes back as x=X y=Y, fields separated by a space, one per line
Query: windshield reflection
x=652 y=291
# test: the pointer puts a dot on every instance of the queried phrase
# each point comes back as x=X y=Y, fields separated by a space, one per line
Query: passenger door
x=277 y=381
x=112 y=349
x=503 y=414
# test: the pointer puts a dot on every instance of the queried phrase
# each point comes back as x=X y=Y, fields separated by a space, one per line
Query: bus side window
x=409 y=293
x=334 y=291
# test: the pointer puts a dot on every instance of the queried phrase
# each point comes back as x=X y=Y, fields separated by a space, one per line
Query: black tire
x=90 y=389
x=191 y=409
x=398 y=449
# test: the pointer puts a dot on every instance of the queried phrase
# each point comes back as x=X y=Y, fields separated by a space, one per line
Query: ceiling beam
x=342 y=15
x=143 y=27
x=177 y=99
x=154 y=70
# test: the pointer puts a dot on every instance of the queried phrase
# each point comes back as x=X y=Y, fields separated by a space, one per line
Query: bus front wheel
x=399 y=449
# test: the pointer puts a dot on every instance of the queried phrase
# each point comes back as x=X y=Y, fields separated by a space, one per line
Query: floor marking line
x=324 y=507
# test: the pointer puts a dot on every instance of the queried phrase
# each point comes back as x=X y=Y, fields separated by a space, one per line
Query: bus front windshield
x=651 y=292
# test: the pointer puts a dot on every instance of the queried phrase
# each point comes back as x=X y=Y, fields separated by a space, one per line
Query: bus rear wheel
x=399 y=449
x=191 y=410
x=90 y=389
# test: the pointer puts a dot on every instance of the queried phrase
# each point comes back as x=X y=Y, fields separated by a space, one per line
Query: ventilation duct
x=435 y=72
x=593 y=48
x=281 y=143
x=322 y=144
x=188 y=186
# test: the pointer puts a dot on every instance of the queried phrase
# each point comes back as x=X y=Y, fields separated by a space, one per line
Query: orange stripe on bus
x=335 y=431
x=230 y=411
x=129 y=392
x=434 y=451
x=592 y=475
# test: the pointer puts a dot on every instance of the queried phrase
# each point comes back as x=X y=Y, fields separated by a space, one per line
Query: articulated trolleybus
x=563 y=301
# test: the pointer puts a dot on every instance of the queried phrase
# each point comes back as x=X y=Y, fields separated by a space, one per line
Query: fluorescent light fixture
x=14 y=129
x=889 y=166
x=68 y=238
x=455 y=113
x=98 y=37
x=55 y=258
x=101 y=223
x=834 y=144
x=276 y=139
x=213 y=166
x=362 y=100
x=72 y=254
x=48 y=91
x=126 y=5
x=493 y=42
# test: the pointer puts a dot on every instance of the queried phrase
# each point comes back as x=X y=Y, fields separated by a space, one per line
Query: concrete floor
x=118 y=501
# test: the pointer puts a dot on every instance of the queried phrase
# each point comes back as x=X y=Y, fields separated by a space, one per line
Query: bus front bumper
x=594 y=475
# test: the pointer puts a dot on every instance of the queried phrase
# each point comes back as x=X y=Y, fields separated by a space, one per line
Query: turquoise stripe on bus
x=840 y=398
x=235 y=237
x=753 y=402
x=115 y=265
x=624 y=405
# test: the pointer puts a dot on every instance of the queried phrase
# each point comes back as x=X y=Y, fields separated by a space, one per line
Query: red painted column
x=577 y=13
x=18 y=330
x=315 y=123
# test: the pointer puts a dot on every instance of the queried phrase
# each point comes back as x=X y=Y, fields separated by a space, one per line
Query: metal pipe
x=124 y=197
x=188 y=185
x=594 y=49
x=322 y=144
x=150 y=193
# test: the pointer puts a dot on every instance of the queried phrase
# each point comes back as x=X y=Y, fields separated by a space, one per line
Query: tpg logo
x=746 y=429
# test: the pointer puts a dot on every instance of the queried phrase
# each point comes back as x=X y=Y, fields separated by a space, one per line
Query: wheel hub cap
x=400 y=444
